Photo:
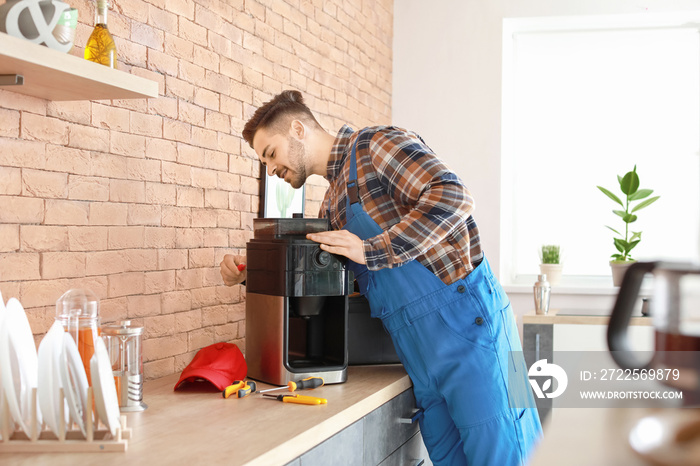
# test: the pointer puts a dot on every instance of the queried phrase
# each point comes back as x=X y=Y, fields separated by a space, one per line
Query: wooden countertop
x=198 y=426
x=552 y=317
x=577 y=436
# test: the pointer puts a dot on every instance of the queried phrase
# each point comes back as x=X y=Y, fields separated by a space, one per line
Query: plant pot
x=553 y=272
x=619 y=268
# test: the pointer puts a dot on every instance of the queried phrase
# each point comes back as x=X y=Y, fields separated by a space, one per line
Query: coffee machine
x=296 y=304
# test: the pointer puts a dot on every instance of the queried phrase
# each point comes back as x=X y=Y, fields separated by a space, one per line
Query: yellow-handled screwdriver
x=307 y=383
x=299 y=399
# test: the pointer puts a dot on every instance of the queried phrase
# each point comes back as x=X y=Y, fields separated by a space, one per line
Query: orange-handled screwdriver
x=308 y=383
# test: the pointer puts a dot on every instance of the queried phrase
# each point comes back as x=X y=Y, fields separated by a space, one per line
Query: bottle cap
x=80 y=303
x=542 y=278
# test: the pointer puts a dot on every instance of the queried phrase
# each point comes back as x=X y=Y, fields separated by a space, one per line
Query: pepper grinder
x=542 y=291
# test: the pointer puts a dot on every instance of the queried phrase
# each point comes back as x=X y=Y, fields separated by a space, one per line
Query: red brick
x=159 y=237
x=177 y=47
x=172 y=259
x=67 y=159
x=127 y=191
x=43 y=128
x=10 y=181
x=109 y=117
x=125 y=237
x=161 y=149
x=176 y=173
x=189 y=238
x=143 y=305
x=159 y=282
x=147 y=35
x=108 y=213
x=42 y=238
x=202 y=178
x=175 y=130
x=19 y=266
x=161 y=194
x=126 y=284
x=76 y=111
x=147 y=125
x=9 y=238
x=88 y=188
x=143 y=169
x=143 y=214
x=62 y=265
x=85 y=137
x=19 y=153
x=87 y=238
x=44 y=184
x=176 y=216
x=130 y=145
x=9 y=123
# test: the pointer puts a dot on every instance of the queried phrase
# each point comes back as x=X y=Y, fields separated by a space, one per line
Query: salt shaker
x=542 y=291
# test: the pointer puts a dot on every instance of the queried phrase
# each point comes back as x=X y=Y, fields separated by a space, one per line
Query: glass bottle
x=78 y=310
x=100 y=47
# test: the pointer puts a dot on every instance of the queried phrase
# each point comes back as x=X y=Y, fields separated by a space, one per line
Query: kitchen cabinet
x=383 y=437
x=52 y=75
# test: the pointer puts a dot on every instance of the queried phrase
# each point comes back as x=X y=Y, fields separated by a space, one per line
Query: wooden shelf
x=53 y=75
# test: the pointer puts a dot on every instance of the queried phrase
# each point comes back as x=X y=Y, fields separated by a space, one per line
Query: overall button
x=479 y=321
x=461 y=288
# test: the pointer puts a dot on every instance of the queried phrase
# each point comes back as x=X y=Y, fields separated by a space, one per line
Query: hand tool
x=308 y=383
x=241 y=267
x=299 y=399
x=241 y=388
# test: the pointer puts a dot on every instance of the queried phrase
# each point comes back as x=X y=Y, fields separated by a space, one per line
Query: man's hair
x=277 y=113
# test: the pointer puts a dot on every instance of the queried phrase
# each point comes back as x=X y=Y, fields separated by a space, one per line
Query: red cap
x=220 y=364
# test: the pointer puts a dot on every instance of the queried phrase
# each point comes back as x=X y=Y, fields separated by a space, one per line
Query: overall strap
x=352 y=195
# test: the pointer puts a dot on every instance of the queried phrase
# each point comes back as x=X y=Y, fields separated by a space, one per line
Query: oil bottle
x=100 y=47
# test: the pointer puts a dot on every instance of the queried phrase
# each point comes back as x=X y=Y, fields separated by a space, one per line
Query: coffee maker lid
x=276 y=228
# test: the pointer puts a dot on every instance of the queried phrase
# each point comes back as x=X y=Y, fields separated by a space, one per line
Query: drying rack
x=69 y=438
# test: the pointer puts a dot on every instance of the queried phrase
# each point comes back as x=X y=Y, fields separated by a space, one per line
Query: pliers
x=241 y=388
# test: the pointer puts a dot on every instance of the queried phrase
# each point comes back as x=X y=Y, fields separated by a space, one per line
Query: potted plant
x=629 y=186
x=550 y=263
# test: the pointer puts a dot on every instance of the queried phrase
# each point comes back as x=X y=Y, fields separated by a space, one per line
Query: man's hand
x=233 y=269
x=340 y=242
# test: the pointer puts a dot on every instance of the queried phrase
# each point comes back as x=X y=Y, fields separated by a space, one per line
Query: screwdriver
x=241 y=388
x=299 y=399
x=241 y=267
x=308 y=383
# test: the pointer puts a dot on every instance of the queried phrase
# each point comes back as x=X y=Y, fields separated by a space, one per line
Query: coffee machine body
x=296 y=304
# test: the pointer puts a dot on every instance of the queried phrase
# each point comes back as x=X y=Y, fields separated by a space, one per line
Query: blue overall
x=459 y=345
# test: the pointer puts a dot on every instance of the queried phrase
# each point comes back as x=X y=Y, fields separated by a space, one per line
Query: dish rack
x=69 y=439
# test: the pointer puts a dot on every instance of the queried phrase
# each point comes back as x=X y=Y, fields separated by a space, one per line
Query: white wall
x=447 y=87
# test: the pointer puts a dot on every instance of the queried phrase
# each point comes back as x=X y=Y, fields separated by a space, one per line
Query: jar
x=78 y=310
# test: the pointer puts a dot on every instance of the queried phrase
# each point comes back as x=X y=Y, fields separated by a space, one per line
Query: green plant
x=629 y=185
x=549 y=254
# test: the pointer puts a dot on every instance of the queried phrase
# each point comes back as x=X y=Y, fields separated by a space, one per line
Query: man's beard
x=297 y=157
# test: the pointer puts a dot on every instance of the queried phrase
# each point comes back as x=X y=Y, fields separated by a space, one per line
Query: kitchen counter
x=577 y=436
x=557 y=316
x=198 y=426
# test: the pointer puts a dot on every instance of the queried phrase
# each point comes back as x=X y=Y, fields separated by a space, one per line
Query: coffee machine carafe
x=675 y=313
x=296 y=304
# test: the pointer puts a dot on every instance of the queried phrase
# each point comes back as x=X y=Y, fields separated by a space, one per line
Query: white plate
x=74 y=380
x=49 y=380
x=18 y=364
x=106 y=401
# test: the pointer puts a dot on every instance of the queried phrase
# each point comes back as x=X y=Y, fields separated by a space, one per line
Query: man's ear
x=297 y=130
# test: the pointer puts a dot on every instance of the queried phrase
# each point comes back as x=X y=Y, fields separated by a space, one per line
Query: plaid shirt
x=422 y=206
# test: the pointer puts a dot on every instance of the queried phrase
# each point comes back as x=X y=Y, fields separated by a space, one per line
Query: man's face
x=283 y=155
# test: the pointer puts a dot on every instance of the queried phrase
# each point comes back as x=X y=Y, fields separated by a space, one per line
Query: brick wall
x=139 y=200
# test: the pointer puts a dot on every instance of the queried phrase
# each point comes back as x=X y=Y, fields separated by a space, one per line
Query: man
x=403 y=219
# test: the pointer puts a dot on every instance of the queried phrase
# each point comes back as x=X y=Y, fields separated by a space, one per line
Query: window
x=585 y=101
